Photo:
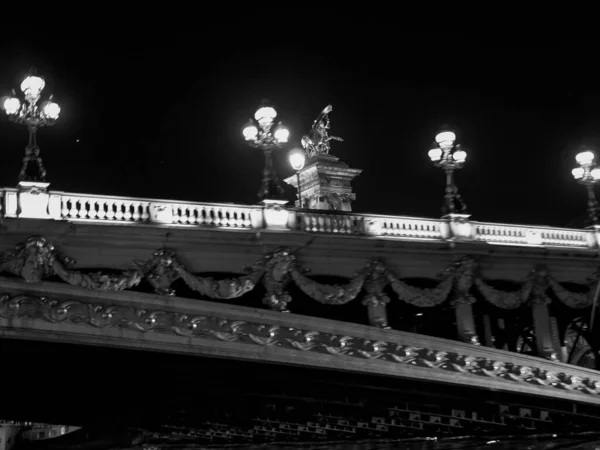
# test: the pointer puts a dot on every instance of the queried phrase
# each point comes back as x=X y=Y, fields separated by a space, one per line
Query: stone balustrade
x=32 y=204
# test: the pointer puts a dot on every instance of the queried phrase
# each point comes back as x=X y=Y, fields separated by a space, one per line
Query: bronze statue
x=317 y=142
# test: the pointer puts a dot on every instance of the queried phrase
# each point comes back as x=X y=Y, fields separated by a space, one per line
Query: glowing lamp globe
x=595 y=173
x=250 y=132
x=435 y=154
x=297 y=159
x=578 y=173
x=459 y=156
x=281 y=134
x=12 y=105
x=585 y=158
x=51 y=110
x=266 y=114
x=32 y=86
x=445 y=138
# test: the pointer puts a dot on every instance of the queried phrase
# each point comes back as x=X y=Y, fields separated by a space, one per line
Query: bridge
x=258 y=323
x=269 y=322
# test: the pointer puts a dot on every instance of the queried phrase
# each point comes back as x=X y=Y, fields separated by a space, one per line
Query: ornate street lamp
x=33 y=116
x=297 y=159
x=262 y=132
x=588 y=174
x=448 y=156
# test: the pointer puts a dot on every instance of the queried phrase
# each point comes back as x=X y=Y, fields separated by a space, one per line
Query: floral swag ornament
x=37 y=259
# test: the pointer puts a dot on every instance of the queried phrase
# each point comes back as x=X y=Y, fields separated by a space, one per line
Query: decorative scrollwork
x=464 y=274
x=31 y=260
x=37 y=259
x=159 y=271
x=295 y=339
x=276 y=277
x=375 y=300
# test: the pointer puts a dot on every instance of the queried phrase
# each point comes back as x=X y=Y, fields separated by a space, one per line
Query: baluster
x=338 y=224
x=202 y=216
x=73 y=211
x=320 y=222
x=325 y=224
x=227 y=220
x=342 y=225
x=118 y=210
x=101 y=209
x=182 y=210
x=357 y=225
x=110 y=212
x=304 y=222
x=176 y=214
x=64 y=212
x=190 y=212
x=92 y=214
x=210 y=216
x=145 y=211
x=136 y=211
x=126 y=208
x=82 y=212
x=329 y=224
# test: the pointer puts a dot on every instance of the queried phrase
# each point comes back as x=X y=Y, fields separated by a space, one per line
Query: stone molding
x=26 y=307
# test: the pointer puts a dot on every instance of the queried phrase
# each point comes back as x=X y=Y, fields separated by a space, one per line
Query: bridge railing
x=19 y=203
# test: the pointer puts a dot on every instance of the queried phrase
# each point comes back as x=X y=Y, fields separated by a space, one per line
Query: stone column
x=465 y=323
x=541 y=323
x=541 y=317
x=488 y=338
x=462 y=301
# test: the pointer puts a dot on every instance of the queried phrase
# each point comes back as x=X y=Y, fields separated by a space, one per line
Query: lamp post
x=449 y=157
x=33 y=116
x=262 y=132
x=588 y=174
x=297 y=159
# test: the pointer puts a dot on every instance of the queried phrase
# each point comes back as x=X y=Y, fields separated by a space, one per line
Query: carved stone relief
x=297 y=339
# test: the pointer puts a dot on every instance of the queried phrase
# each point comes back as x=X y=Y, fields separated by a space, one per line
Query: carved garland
x=37 y=259
x=250 y=333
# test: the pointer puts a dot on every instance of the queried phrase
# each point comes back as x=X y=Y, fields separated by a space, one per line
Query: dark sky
x=159 y=115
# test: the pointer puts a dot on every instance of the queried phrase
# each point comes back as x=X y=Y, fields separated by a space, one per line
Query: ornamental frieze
x=37 y=259
x=146 y=320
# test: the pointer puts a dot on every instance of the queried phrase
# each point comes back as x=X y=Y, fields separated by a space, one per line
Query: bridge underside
x=221 y=400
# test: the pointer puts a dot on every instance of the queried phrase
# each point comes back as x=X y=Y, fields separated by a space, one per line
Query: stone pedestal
x=593 y=236
x=325 y=183
x=33 y=200
x=457 y=227
x=276 y=216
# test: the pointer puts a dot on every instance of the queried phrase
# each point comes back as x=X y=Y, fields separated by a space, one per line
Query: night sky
x=159 y=115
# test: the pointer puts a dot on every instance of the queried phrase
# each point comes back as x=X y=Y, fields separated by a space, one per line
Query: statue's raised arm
x=317 y=142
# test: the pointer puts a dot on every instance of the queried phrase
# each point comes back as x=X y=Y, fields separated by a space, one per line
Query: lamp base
x=33 y=200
